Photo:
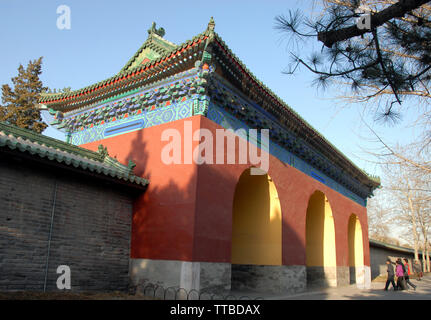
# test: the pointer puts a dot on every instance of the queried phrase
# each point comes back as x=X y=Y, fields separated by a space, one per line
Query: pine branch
x=396 y=10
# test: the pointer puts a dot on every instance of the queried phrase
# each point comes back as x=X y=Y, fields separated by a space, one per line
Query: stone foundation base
x=363 y=277
x=214 y=277
x=273 y=279
x=339 y=276
x=321 y=277
x=352 y=275
x=199 y=276
x=343 y=276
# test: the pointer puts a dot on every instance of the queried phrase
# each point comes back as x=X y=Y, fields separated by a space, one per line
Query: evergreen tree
x=20 y=103
x=388 y=61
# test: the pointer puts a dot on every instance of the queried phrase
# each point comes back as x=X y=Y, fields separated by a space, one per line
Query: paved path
x=423 y=292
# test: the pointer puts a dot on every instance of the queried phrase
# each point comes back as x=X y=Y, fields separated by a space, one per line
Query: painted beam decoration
x=163 y=102
x=164 y=82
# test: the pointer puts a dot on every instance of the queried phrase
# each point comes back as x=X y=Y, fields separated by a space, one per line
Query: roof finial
x=211 y=24
x=103 y=151
x=160 y=31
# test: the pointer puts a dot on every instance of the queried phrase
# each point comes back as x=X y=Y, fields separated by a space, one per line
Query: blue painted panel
x=145 y=119
x=123 y=128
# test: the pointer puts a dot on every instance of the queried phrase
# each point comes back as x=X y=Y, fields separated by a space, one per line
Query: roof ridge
x=146 y=44
x=137 y=53
x=122 y=72
x=41 y=139
x=164 y=40
x=25 y=140
x=390 y=245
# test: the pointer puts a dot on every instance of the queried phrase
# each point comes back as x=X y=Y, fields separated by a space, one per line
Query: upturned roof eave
x=61 y=101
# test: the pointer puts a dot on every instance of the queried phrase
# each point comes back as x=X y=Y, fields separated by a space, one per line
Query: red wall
x=163 y=218
x=186 y=213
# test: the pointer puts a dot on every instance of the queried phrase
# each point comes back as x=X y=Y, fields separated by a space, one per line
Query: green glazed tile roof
x=49 y=149
x=130 y=76
x=154 y=44
x=133 y=75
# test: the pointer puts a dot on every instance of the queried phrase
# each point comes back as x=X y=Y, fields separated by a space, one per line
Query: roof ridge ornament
x=206 y=54
x=131 y=166
x=211 y=25
x=103 y=151
x=160 y=31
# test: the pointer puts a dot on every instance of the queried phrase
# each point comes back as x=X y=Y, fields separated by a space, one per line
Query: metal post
x=50 y=234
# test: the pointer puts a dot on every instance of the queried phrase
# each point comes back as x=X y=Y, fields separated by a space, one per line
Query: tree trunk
x=414 y=226
x=427 y=257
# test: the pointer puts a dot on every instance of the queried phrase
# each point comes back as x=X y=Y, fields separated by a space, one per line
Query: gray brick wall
x=378 y=258
x=91 y=230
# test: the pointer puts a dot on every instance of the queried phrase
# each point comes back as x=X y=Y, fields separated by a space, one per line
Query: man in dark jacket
x=391 y=275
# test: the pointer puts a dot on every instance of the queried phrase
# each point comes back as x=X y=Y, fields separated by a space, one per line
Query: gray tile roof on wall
x=53 y=150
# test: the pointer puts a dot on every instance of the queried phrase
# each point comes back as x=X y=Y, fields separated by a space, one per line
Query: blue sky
x=105 y=34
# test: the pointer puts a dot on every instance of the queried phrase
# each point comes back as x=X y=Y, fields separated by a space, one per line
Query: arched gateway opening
x=320 y=242
x=356 y=250
x=256 y=230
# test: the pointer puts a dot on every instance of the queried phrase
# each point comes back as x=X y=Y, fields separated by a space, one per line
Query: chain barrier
x=174 y=293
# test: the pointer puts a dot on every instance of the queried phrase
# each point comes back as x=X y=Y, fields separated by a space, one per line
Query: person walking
x=407 y=274
x=391 y=275
x=399 y=272
x=417 y=268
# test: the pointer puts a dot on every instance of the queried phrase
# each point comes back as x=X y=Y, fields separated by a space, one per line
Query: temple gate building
x=218 y=225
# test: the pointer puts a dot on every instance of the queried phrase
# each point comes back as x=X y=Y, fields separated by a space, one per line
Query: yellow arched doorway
x=320 y=242
x=256 y=227
x=256 y=221
x=356 y=250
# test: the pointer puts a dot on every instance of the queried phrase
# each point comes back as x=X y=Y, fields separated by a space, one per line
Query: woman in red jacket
x=407 y=274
